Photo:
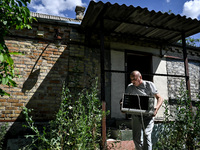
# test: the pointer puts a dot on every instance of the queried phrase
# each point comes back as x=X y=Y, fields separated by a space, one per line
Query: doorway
x=140 y=62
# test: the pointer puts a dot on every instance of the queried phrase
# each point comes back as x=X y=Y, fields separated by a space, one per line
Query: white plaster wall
x=117 y=83
x=159 y=67
x=118 y=80
x=122 y=46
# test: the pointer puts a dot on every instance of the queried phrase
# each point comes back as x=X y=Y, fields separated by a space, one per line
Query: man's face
x=136 y=80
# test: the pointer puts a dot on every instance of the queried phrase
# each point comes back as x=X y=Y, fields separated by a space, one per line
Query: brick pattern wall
x=43 y=68
x=176 y=67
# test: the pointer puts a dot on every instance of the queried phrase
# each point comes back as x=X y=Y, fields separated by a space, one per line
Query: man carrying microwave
x=142 y=126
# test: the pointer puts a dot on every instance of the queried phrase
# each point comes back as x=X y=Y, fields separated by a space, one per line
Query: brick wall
x=43 y=68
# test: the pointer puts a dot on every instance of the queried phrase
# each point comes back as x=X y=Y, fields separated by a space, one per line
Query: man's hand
x=155 y=112
x=120 y=103
x=159 y=103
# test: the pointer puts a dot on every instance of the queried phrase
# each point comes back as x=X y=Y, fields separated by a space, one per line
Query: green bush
x=181 y=128
x=3 y=130
x=76 y=126
x=13 y=14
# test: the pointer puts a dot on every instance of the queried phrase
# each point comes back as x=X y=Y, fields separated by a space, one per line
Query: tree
x=192 y=42
x=13 y=14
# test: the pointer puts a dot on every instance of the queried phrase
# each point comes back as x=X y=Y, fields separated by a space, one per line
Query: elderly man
x=142 y=126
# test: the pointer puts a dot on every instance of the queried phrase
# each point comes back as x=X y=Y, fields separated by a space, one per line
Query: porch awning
x=139 y=22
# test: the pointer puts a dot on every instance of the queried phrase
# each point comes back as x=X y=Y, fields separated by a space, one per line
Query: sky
x=66 y=8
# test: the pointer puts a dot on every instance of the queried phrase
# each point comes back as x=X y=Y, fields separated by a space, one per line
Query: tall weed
x=3 y=130
x=76 y=126
x=181 y=128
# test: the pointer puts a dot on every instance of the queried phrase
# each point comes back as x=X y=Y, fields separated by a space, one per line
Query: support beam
x=190 y=140
x=185 y=58
x=103 y=84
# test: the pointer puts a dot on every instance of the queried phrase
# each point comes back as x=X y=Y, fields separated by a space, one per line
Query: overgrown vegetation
x=3 y=130
x=13 y=14
x=76 y=126
x=181 y=128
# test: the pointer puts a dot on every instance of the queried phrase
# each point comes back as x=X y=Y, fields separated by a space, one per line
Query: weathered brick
x=2 y=108
x=13 y=115
x=5 y=104
x=13 y=101
x=3 y=100
x=19 y=93
x=2 y=115
x=16 y=48
x=20 y=65
x=7 y=112
x=11 y=108
x=23 y=100
x=17 y=111
x=17 y=104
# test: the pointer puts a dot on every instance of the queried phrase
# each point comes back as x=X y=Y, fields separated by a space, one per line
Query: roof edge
x=54 y=18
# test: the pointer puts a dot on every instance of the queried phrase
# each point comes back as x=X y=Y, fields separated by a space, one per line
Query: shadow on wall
x=31 y=81
x=45 y=100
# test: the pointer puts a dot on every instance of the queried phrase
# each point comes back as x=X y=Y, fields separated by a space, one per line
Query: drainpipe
x=103 y=84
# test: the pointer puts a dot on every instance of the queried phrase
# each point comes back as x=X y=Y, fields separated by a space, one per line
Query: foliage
x=181 y=128
x=191 y=41
x=76 y=126
x=169 y=12
x=13 y=14
x=3 y=130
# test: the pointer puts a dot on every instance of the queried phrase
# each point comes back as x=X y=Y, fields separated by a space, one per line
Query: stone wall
x=175 y=66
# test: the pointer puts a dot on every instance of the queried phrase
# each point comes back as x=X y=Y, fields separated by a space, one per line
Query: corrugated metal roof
x=140 y=22
x=51 y=18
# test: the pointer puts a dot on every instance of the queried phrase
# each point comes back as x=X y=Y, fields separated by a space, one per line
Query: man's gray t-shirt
x=147 y=88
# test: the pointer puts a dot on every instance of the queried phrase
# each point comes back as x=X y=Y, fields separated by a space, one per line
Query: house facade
x=61 y=50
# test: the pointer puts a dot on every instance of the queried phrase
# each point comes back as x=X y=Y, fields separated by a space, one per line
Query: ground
x=120 y=145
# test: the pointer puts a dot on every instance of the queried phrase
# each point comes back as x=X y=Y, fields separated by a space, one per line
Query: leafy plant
x=191 y=41
x=3 y=130
x=13 y=14
x=181 y=128
x=76 y=126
